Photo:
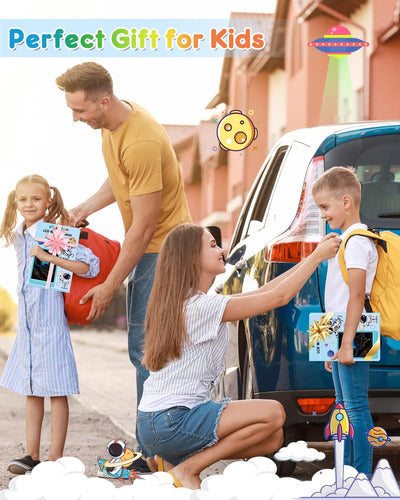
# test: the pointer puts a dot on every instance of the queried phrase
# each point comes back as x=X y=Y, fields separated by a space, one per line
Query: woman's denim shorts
x=177 y=433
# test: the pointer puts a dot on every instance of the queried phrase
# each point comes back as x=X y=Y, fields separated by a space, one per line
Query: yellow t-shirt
x=140 y=160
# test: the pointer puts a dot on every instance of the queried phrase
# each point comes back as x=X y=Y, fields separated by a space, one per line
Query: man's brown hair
x=90 y=77
x=340 y=181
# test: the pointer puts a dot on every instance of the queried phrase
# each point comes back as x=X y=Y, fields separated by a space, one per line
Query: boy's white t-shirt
x=360 y=253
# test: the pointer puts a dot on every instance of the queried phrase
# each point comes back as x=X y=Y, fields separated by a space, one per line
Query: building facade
x=289 y=85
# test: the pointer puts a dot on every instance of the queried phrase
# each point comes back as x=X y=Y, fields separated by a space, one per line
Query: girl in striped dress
x=41 y=362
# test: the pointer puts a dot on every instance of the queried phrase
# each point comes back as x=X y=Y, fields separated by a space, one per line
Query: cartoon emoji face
x=236 y=131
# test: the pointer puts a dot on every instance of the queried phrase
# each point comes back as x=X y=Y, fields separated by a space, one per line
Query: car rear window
x=376 y=162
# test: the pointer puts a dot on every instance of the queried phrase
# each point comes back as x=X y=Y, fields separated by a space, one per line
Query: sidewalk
x=88 y=432
x=118 y=342
x=103 y=411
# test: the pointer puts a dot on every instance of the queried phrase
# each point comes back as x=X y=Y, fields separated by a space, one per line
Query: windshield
x=376 y=161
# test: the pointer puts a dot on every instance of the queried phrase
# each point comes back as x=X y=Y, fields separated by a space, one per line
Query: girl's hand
x=38 y=252
x=327 y=247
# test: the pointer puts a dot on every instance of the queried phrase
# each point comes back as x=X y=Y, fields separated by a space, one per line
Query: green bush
x=7 y=311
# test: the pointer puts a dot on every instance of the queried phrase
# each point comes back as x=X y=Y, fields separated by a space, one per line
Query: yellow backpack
x=385 y=293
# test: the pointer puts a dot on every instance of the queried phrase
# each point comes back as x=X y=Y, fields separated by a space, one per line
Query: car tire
x=284 y=469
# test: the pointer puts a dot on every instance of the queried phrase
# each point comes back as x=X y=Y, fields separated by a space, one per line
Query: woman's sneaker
x=140 y=466
x=22 y=465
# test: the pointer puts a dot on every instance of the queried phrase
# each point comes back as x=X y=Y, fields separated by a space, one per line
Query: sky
x=37 y=134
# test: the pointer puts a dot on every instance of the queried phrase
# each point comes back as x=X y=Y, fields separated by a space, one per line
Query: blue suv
x=278 y=226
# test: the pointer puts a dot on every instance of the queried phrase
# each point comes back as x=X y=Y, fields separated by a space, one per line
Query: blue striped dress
x=41 y=362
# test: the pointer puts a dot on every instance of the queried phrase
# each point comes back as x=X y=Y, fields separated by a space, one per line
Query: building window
x=297 y=47
x=359 y=103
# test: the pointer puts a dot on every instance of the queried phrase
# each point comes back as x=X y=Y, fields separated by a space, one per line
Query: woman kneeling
x=186 y=339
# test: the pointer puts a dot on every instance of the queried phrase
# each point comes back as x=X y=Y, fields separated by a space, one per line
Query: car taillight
x=315 y=406
x=307 y=228
x=292 y=251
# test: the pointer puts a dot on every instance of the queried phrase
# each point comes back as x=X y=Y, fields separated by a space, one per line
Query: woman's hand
x=38 y=252
x=327 y=247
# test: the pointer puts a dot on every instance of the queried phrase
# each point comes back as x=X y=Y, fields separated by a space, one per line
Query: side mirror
x=254 y=227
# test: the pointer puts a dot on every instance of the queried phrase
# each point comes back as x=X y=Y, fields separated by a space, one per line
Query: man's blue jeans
x=351 y=388
x=140 y=283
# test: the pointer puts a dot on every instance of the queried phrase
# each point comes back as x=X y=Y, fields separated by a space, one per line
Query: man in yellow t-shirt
x=145 y=180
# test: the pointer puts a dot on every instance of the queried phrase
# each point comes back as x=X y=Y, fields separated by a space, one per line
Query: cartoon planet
x=377 y=437
x=236 y=131
x=338 y=42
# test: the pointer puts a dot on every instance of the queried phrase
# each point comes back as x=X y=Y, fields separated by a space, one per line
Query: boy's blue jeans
x=351 y=388
x=140 y=283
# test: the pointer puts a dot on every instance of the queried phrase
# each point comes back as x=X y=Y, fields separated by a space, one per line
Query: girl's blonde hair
x=176 y=279
x=56 y=211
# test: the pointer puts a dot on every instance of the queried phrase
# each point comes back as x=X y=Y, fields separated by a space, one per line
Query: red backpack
x=107 y=251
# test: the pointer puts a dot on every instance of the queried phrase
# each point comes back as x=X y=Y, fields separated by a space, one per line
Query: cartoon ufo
x=338 y=42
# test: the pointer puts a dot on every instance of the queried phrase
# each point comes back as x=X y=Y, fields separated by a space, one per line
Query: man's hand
x=78 y=213
x=101 y=296
x=38 y=252
x=328 y=366
x=102 y=198
x=345 y=355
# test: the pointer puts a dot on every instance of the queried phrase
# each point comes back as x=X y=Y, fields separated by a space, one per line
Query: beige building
x=282 y=87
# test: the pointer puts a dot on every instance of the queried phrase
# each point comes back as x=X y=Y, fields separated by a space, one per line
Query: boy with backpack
x=338 y=194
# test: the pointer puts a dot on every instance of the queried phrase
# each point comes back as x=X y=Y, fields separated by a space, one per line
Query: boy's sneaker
x=22 y=465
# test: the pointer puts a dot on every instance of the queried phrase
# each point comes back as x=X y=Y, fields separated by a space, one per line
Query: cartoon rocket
x=339 y=426
x=339 y=429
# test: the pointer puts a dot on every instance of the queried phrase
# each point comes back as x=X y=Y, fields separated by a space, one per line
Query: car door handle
x=240 y=264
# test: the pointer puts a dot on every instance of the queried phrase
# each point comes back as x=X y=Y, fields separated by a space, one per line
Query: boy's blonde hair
x=340 y=181
x=55 y=213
